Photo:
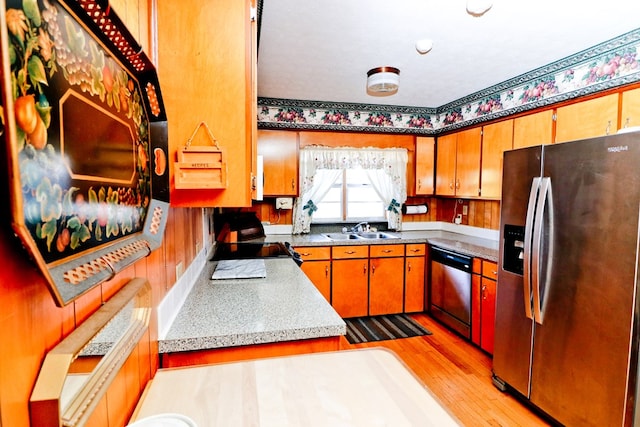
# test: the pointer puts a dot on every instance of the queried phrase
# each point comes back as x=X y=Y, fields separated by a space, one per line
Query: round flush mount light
x=424 y=45
x=478 y=7
x=383 y=81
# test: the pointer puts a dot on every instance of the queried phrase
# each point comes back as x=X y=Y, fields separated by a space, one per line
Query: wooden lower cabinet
x=317 y=267
x=350 y=280
x=361 y=280
x=386 y=279
x=414 y=278
x=483 y=303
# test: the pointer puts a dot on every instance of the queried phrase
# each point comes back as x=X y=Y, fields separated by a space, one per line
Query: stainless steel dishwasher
x=450 y=289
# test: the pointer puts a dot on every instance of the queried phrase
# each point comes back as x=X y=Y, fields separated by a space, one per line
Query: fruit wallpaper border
x=608 y=65
x=86 y=141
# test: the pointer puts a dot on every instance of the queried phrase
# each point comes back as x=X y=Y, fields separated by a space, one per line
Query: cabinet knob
x=451 y=185
x=349 y=252
x=409 y=266
x=419 y=184
x=608 y=129
x=373 y=269
x=326 y=271
x=484 y=295
x=457 y=183
x=386 y=251
x=293 y=184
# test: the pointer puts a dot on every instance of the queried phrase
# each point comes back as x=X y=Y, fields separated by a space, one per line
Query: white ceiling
x=321 y=50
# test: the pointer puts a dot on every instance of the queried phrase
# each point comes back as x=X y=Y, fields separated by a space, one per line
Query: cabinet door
x=279 y=151
x=386 y=285
x=496 y=139
x=350 y=285
x=319 y=272
x=586 y=119
x=533 y=129
x=414 y=276
x=446 y=165
x=468 y=151
x=206 y=77
x=488 y=314
x=476 y=301
x=630 y=115
x=425 y=162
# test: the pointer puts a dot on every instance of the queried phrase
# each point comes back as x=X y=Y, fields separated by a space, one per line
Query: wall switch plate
x=465 y=209
x=284 y=203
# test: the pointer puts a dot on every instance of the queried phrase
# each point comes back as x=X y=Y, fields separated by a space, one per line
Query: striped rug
x=380 y=328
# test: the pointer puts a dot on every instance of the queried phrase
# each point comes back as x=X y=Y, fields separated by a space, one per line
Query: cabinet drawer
x=416 y=249
x=345 y=252
x=378 y=251
x=314 y=253
x=490 y=269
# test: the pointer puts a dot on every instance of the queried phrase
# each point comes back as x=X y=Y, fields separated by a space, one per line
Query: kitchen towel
x=240 y=269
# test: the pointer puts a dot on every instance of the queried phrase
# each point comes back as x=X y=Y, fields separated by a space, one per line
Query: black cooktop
x=249 y=250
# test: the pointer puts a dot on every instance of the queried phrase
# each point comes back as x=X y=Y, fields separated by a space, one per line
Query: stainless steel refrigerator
x=566 y=327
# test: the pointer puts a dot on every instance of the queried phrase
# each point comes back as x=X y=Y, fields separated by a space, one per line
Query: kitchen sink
x=341 y=236
x=377 y=235
x=365 y=235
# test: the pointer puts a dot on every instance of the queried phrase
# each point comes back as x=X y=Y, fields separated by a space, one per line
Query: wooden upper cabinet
x=587 y=119
x=425 y=162
x=279 y=151
x=496 y=139
x=630 y=113
x=533 y=129
x=458 y=163
x=209 y=77
x=446 y=165
x=468 y=162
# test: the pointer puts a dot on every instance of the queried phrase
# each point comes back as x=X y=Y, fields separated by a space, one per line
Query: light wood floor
x=459 y=374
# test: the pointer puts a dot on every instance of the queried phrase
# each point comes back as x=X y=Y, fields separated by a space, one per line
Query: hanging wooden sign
x=200 y=166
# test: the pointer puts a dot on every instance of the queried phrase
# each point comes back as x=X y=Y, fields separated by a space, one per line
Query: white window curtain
x=320 y=167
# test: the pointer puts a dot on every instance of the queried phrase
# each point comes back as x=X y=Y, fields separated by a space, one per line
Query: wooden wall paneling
x=170 y=249
x=100 y=415
x=87 y=303
x=111 y=287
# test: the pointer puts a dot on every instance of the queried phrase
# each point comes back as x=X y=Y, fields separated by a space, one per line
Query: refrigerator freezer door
x=581 y=353
x=513 y=329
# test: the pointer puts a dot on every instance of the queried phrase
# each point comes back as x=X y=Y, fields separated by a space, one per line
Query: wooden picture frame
x=85 y=134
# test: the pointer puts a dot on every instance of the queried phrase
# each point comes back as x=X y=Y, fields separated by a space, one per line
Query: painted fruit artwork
x=82 y=134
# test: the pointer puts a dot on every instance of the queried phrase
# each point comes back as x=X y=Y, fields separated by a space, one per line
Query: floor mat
x=380 y=328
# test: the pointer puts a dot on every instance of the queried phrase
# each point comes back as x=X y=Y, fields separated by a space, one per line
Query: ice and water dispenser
x=513 y=256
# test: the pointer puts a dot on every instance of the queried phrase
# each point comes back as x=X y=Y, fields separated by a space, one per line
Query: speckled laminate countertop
x=283 y=306
x=468 y=245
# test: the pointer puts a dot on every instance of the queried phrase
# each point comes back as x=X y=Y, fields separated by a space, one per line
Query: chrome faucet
x=360 y=227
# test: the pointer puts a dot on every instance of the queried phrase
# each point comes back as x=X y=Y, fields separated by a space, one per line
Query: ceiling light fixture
x=424 y=45
x=383 y=81
x=478 y=7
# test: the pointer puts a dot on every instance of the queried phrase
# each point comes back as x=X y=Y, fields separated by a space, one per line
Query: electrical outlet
x=465 y=209
x=284 y=203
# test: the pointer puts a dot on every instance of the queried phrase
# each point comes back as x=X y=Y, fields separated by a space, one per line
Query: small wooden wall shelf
x=200 y=166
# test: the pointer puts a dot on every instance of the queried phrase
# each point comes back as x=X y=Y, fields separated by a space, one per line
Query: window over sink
x=351 y=197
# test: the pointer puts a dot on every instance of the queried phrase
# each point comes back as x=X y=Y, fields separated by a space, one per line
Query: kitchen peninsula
x=234 y=319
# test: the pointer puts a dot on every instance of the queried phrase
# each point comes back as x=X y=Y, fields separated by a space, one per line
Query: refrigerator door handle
x=544 y=204
x=528 y=231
